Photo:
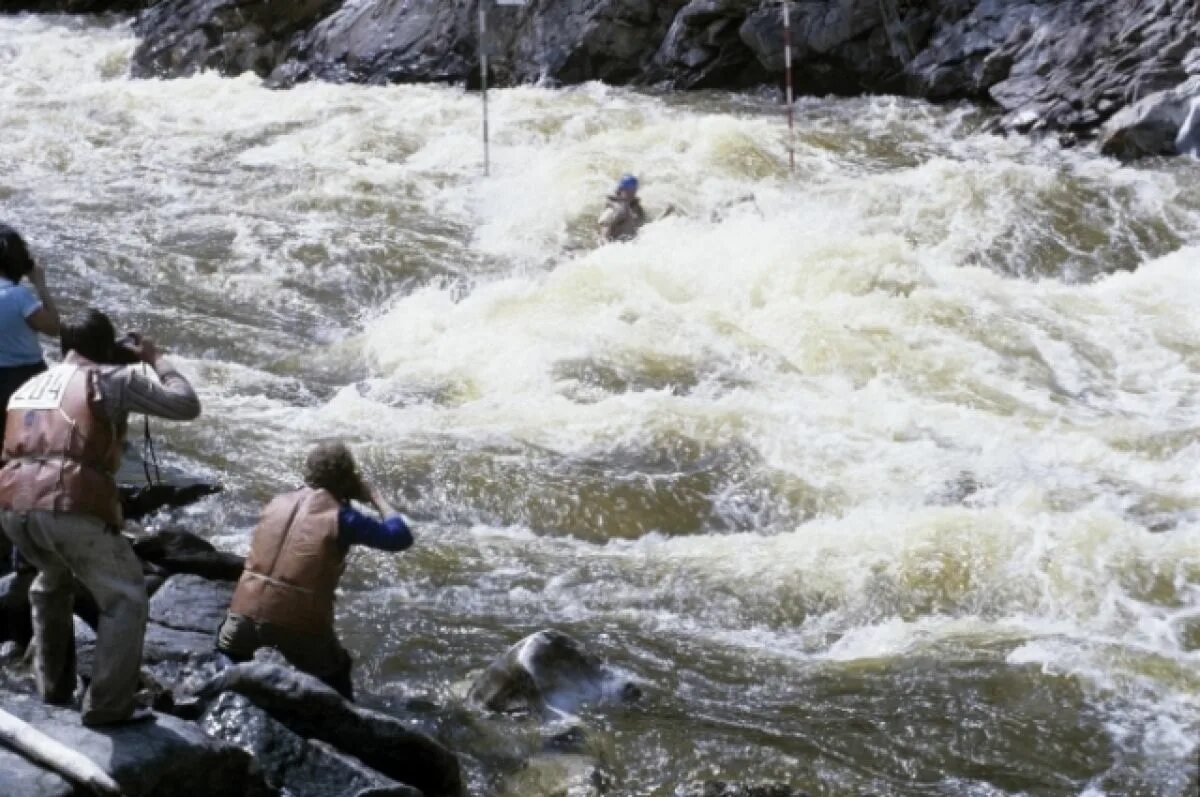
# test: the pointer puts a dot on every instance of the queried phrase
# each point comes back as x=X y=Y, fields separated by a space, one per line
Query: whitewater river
x=883 y=477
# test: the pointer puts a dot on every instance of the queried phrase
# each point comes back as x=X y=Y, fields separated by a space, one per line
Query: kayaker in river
x=624 y=216
x=297 y=555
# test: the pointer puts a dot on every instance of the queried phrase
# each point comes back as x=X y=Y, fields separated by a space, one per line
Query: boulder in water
x=1155 y=125
x=546 y=673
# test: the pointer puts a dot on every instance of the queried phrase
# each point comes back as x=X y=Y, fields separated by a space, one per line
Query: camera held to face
x=126 y=349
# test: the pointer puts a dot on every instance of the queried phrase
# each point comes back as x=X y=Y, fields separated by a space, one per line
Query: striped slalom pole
x=483 y=79
x=787 y=61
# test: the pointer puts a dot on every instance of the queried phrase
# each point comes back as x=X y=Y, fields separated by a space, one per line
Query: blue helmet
x=628 y=183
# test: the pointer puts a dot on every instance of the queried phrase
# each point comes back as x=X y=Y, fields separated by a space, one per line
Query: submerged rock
x=313 y=710
x=559 y=774
x=548 y=672
x=720 y=788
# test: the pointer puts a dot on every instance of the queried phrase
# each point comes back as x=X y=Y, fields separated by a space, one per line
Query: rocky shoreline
x=1126 y=72
x=263 y=728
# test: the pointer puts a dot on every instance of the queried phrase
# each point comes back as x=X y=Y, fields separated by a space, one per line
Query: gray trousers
x=62 y=545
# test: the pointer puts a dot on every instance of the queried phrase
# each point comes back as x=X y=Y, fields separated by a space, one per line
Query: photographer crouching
x=59 y=504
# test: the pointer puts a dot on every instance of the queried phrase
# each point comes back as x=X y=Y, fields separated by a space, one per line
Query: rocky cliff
x=1066 y=66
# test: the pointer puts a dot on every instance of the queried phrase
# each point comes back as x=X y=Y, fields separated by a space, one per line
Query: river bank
x=880 y=475
x=262 y=728
x=1126 y=72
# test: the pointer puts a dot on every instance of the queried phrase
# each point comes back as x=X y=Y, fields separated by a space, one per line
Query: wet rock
x=1155 y=125
x=719 y=788
x=548 y=673
x=20 y=778
x=304 y=768
x=165 y=756
x=191 y=603
x=177 y=550
x=140 y=500
x=1188 y=140
x=313 y=710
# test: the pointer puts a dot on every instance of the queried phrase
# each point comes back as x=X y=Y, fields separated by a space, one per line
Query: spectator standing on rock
x=23 y=314
x=59 y=505
x=297 y=555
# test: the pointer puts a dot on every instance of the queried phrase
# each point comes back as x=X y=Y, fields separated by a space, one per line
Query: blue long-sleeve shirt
x=355 y=528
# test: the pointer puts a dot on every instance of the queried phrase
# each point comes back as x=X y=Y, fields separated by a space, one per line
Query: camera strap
x=148 y=454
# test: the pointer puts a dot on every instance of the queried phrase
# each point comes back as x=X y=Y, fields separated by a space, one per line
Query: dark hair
x=90 y=334
x=330 y=466
x=15 y=260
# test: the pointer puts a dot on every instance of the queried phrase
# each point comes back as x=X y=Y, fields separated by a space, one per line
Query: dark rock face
x=183 y=37
x=166 y=756
x=15 y=623
x=72 y=6
x=1062 y=66
x=180 y=551
x=547 y=672
x=313 y=710
x=138 y=501
x=288 y=761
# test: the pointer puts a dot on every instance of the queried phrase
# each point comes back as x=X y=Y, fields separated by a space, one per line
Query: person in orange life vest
x=59 y=505
x=286 y=594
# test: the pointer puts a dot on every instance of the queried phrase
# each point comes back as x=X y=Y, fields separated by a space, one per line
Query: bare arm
x=380 y=503
x=46 y=320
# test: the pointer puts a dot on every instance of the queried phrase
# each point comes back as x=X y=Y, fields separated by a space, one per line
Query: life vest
x=628 y=218
x=61 y=451
x=294 y=565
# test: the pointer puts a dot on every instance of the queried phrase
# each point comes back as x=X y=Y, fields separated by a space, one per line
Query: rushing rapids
x=882 y=477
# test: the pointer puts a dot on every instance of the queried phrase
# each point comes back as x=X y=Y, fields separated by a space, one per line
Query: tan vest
x=294 y=565
x=61 y=452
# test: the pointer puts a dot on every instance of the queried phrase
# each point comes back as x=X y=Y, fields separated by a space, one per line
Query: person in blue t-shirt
x=285 y=597
x=23 y=314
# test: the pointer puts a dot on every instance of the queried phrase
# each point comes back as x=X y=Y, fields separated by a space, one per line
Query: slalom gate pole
x=483 y=78
x=787 y=60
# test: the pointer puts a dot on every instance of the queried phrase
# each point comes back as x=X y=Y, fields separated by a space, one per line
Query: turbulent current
x=882 y=477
